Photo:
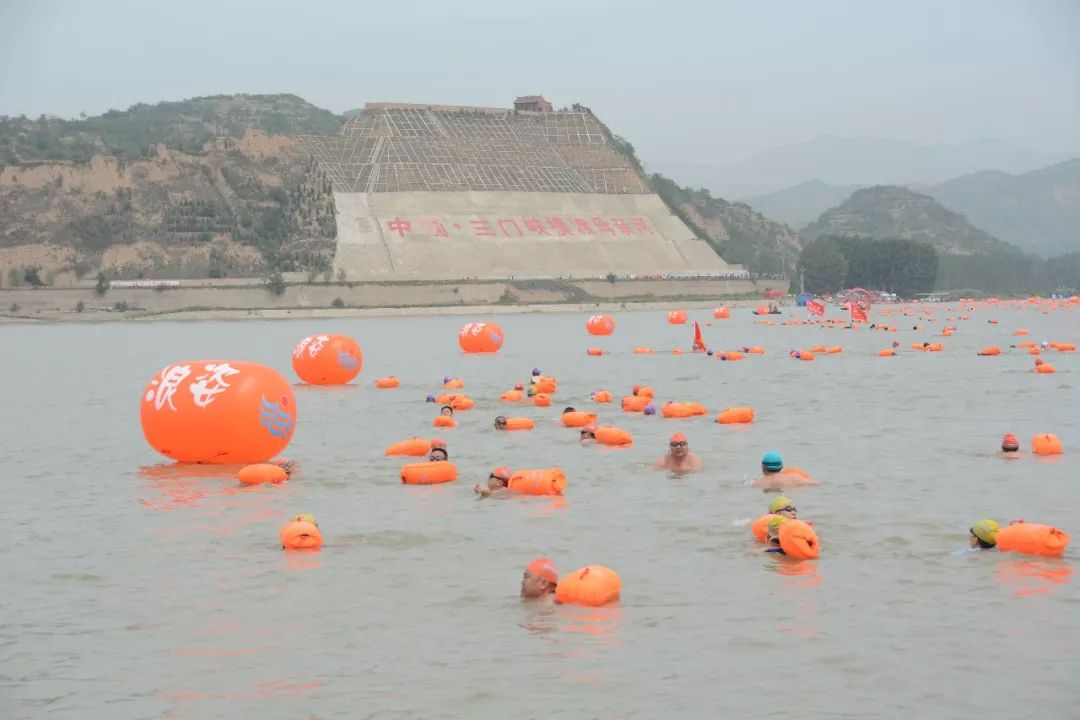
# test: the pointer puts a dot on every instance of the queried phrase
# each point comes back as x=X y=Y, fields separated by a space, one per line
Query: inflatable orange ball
x=600 y=325
x=721 y=313
x=481 y=337
x=218 y=411
x=327 y=359
x=677 y=317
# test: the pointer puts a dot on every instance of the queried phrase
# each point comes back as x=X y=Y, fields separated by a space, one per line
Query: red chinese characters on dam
x=515 y=227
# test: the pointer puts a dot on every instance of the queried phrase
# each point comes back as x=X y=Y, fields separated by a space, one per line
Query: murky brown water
x=138 y=591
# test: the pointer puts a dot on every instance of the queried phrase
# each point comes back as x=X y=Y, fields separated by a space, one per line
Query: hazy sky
x=700 y=82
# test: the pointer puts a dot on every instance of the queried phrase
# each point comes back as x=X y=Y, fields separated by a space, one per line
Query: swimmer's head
x=1045 y=343
x=438 y=454
x=446 y=379
x=519 y=386
x=568 y=409
x=649 y=409
x=983 y=533
x=306 y=517
x=771 y=462
x=500 y=476
x=679 y=445
x=532 y=390
x=430 y=398
x=500 y=422
x=446 y=410
x=588 y=432
x=634 y=390
x=1009 y=443
x=783 y=506
x=540 y=578
x=536 y=372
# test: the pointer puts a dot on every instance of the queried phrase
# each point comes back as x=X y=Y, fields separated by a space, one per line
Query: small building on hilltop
x=533 y=103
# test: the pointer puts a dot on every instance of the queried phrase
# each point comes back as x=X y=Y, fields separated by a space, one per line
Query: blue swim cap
x=431 y=398
x=650 y=410
x=772 y=461
x=536 y=371
x=446 y=378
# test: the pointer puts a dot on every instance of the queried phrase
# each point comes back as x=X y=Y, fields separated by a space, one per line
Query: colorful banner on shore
x=815 y=308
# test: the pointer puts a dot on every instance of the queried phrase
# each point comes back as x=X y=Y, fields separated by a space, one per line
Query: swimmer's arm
x=481 y=490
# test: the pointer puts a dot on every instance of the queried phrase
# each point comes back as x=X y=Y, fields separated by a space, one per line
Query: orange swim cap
x=678 y=437
x=591 y=427
x=543 y=568
x=1009 y=442
x=438 y=443
x=502 y=472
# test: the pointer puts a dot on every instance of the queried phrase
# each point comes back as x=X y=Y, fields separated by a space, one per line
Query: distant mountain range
x=855 y=161
x=1038 y=211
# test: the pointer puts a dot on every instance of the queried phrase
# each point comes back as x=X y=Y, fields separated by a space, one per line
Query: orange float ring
x=593 y=585
x=635 y=403
x=601 y=396
x=444 y=421
x=1046 y=444
x=218 y=411
x=541 y=400
x=799 y=540
x=990 y=351
x=736 y=416
x=327 y=359
x=512 y=396
x=613 y=436
x=415 y=447
x=600 y=325
x=481 y=337
x=594 y=352
x=760 y=527
x=300 y=535
x=721 y=313
x=387 y=383
x=519 y=423
x=677 y=317
x=1032 y=539
x=548 y=481
x=428 y=473
x=577 y=418
x=262 y=473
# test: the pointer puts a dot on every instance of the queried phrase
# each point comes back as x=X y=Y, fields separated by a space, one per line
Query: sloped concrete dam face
x=437 y=192
x=451 y=235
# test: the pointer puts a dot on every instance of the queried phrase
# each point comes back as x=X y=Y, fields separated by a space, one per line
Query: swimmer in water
x=446 y=410
x=679 y=458
x=983 y=534
x=497 y=482
x=500 y=422
x=540 y=580
x=306 y=517
x=568 y=409
x=1009 y=444
x=588 y=434
x=774 y=477
x=782 y=506
x=772 y=535
x=438 y=451
x=771 y=463
x=430 y=399
x=289 y=466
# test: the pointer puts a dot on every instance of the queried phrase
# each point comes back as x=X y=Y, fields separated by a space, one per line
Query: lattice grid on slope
x=416 y=148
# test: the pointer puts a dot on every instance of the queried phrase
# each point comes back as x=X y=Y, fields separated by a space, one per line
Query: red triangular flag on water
x=699 y=344
x=814 y=307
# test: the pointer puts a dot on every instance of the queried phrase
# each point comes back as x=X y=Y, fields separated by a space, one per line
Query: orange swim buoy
x=594 y=352
x=613 y=436
x=721 y=313
x=577 y=418
x=545 y=386
x=1034 y=351
x=548 y=481
x=444 y=421
x=642 y=351
x=677 y=351
x=992 y=350
x=262 y=473
x=1045 y=368
x=731 y=356
x=1046 y=444
x=601 y=396
x=817 y=349
x=600 y=325
x=512 y=396
x=481 y=337
x=1026 y=344
x=799 y=540
x=300 y=535
x=1032 y=539
x=677 y=317
x=806 y=356
x=736 y=416
x=519 y=423
x=541 y=400
x=1064 y=347
x=760 y=527
x=646 y=392
x=887 y=352
x=327 y=359
x=833 y=350
x=635 y=403
x=428 y=473
x=461 y=402
x=415 y=447
x=387 y=383
x=674 y=410
x=593 y=585
x=755 y=350
x=1020 y=332
x=454 y=384
x=935 y=347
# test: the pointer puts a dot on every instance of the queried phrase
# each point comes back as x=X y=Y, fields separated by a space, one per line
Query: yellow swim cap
x=775 y=523
x=779 y=503
x=986 y=530
x=306 y=517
